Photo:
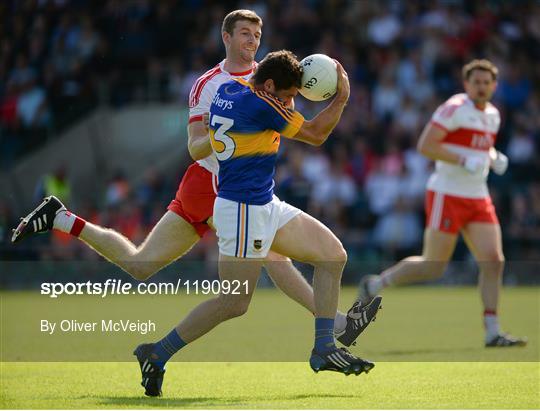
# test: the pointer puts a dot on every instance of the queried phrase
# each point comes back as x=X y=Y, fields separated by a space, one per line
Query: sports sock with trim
x=68 y=222
x=324 y=334
x=165 y=348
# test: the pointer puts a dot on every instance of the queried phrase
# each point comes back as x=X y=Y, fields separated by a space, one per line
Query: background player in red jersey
x=460 y=138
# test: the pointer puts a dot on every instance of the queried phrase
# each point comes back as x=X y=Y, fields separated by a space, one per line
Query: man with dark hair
x=460 y=137
x=246 y=122
x=282 y=67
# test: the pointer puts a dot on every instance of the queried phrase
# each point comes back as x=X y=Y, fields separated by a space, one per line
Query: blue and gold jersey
x=245 y=129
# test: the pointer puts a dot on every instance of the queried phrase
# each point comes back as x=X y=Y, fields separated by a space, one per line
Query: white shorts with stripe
x=247 y=231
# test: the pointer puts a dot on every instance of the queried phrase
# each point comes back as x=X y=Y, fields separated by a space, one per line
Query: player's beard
x=247 y=56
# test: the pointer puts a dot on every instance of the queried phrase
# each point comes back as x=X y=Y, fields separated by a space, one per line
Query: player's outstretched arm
x=317 y=130
x=198 y=140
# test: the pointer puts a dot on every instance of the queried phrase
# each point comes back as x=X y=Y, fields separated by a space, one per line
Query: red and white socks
x=69 y=223
x=491 y=324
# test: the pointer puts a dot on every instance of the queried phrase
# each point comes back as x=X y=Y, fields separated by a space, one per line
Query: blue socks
x=324 y=334
x=167 y=347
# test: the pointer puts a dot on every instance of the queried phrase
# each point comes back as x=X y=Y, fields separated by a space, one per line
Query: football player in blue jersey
x=246 y=122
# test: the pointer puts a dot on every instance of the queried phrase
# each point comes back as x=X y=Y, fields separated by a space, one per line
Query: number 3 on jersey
x=225 y=150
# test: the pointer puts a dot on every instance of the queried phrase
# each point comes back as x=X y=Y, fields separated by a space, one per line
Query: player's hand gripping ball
x=319 y=81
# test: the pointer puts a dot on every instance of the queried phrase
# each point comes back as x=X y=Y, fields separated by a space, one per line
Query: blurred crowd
x=59 y=59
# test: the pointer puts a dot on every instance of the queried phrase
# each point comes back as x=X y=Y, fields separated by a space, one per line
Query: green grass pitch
x=426 y=342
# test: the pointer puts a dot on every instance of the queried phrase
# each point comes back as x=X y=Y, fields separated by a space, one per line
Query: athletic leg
x=289 y=280
x=326 y=254
x=329 y=258
x=485 y=243
x=437 y=250
x=210 y=313
x=170 y=238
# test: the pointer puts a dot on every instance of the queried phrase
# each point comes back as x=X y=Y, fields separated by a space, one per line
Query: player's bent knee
x=138 y=271
x=233 y=307
x=238 y=310
x=495 y=257
x=276 y=257
x=341 y=254
x=335 y=254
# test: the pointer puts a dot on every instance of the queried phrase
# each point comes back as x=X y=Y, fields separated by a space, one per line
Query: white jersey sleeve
x=444 y=116
x=200 y=100
x=201 y=94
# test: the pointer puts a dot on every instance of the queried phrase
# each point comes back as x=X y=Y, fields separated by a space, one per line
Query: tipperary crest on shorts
x=257 y=244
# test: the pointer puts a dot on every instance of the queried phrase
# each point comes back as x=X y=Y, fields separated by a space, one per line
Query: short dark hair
x=237 y=15
x=282 y=67
x=484 y=65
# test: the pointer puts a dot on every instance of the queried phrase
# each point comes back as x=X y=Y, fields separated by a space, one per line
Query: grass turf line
x=418 y=334
x=274 y=385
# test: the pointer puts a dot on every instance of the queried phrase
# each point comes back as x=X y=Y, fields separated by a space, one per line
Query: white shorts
x=247 y=231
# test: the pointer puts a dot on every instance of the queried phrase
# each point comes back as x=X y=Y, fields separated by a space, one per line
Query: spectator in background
x=54 y=184
x=514 y=88
x=398 y=232
x=408 y=117
x=22 y=72
x=386 y=97
x=333 y=195
x=384 y=28
x=10 y=139
x=521 y=151
x=118 y=190
x=382 y=189
x=87 y=41
x=32 y=108
x=361 y=161
x=294 y=187
x=8 y=106
x=316 y=165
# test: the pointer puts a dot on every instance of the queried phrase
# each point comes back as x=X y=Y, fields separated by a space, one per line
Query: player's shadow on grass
x=185 y=402
x=416 y=351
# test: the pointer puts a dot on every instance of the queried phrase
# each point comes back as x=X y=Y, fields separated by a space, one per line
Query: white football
x=319 y=81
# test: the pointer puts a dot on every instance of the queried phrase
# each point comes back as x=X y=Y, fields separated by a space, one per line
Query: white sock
x=68 y=222
x=341 y=322
x=375 y=285
x=491 y=323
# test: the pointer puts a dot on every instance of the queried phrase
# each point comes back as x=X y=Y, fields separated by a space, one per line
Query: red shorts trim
x=194 y=200
x=450 y=214
x=195 y=118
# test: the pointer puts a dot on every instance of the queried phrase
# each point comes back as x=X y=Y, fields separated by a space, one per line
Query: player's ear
x=226 y=37
x=269 y=86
